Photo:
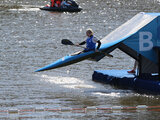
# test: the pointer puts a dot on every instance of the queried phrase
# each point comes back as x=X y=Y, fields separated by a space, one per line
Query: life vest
x=52 y=3
x=90 y=45
x=58 y=2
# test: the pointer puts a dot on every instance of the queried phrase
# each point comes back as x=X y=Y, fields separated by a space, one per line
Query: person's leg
x=134 y=68
x=79 y=52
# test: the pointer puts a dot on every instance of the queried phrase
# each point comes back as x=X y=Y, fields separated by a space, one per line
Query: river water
x=31 y=39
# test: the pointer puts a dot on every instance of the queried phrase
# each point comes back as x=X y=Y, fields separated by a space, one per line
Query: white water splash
x=67 y=82
x=25 y=9
x=112 y=94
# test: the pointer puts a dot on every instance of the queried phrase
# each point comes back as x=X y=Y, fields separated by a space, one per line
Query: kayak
x=70 y=59
x=60 y=9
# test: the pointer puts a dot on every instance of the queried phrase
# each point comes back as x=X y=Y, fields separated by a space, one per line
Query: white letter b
x=145 y=42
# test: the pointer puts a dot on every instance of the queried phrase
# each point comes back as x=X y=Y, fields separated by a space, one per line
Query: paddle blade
x=66 y=42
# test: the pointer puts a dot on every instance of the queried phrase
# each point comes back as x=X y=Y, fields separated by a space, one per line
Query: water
x=31 y=39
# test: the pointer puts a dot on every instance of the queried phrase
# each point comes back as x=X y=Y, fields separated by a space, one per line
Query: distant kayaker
x=63 y=3
x=52 y=3
x=58 y=3
x=90 y=42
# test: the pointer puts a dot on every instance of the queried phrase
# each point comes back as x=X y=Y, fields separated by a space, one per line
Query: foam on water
x=71 y=82
x=112 y=94
x=26 y=9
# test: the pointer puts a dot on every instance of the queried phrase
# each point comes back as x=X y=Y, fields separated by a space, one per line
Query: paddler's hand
x=77 y=45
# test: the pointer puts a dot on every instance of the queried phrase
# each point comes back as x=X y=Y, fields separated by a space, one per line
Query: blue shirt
x=91 y=43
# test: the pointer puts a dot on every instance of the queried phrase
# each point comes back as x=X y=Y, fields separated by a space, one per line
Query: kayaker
x=58 y=3
x=90 y=42
x=52 y=3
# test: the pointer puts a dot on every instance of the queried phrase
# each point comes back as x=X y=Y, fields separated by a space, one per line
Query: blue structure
x=144 y=46
x=121 y=79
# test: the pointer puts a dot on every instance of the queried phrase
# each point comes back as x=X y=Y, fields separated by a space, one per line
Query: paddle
x=68 y=42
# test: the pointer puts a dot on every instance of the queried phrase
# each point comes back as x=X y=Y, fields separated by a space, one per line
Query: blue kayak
x=70 y=59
